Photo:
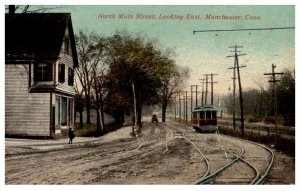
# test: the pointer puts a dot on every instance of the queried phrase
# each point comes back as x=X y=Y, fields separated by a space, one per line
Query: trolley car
x=205 y=118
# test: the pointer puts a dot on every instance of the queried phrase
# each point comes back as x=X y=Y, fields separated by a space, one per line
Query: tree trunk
x=88 y=109
x=134 y=105
x=139 y=113
x=98 y=114
x=164 y=109
x=101 y=113
x=81 y=119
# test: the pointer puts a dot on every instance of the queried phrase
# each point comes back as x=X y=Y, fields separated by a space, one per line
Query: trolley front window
x=201 y=114
x=214 y=114
x=194 y=115
x=208 y=115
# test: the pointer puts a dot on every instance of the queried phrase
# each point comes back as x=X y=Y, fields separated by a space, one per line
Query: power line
x=249 y=29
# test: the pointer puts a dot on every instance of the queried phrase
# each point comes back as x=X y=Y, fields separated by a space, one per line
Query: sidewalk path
x=20 y=146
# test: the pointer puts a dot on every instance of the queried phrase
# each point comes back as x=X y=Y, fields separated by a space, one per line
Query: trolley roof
x=205 y=108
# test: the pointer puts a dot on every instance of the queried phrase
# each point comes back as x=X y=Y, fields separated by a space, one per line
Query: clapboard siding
x=67 y=60
x=25 y=113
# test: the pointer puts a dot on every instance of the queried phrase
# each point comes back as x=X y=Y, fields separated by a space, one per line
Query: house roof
x=35 y=36
x=204 y=108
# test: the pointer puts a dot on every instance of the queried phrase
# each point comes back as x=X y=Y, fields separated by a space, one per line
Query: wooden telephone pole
x=212 y=88
x=274 y=96
x=237 y=67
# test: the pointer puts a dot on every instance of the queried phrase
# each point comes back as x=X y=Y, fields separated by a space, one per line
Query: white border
x=139 y=2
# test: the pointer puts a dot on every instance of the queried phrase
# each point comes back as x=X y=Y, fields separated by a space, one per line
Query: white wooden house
x=40 y=58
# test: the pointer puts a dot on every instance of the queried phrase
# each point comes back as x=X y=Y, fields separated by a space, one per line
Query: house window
x=70 y=77
x=64 y=112
x=61 y=73
x=57 y=112
x=66 y=44
x=70 y=111
x=43 y=72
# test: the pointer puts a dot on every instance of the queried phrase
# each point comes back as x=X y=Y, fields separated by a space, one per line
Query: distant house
x=40 y=58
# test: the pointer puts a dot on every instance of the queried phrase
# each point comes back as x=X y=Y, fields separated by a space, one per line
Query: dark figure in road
x=71 y=135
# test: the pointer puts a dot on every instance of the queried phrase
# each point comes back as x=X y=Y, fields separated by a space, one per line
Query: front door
x=53 y=120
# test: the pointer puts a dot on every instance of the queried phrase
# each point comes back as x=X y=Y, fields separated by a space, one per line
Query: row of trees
x=109 y=69
x=258 y=104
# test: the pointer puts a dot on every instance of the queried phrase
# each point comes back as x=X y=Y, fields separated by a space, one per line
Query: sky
x=203 y=53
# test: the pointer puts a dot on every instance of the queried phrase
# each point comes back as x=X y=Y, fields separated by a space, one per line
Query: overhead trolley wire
x=249 y=29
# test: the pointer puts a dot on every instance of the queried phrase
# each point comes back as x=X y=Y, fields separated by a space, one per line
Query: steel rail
x=205 y=158
x=255 y=169
x=271 y=161
x=245 y=161
x=207 y=178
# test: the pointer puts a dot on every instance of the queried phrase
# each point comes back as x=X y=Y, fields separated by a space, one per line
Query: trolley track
x=257 y=178
x=163 y=153
x=257 y=174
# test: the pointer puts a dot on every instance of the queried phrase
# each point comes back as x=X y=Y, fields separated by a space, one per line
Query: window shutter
x=70 y=77
x=61 y=73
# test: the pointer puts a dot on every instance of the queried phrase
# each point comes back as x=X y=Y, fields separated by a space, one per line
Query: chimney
x=11 y=9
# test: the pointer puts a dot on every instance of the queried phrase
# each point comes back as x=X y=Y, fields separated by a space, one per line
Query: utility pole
x=175 y=105
x=196 y=95
x=191 y=99
x=185 y=100
x=260 y=108
x=237 y=67
x=274 y=96
x=202 y=92
x=206 y=82
x=183 y=108
x=134 y=107
x=179 y=107
x=212 y=88
x=192 y=91
x=233 y=97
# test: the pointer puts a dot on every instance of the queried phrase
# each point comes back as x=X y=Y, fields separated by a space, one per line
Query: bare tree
x=28 y=8
x=99 y=70
x=79 y=105
x=91 y=73
x=172 y=82
x=85 y=70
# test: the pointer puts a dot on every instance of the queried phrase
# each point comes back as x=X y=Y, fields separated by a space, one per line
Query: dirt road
x=163 y=154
